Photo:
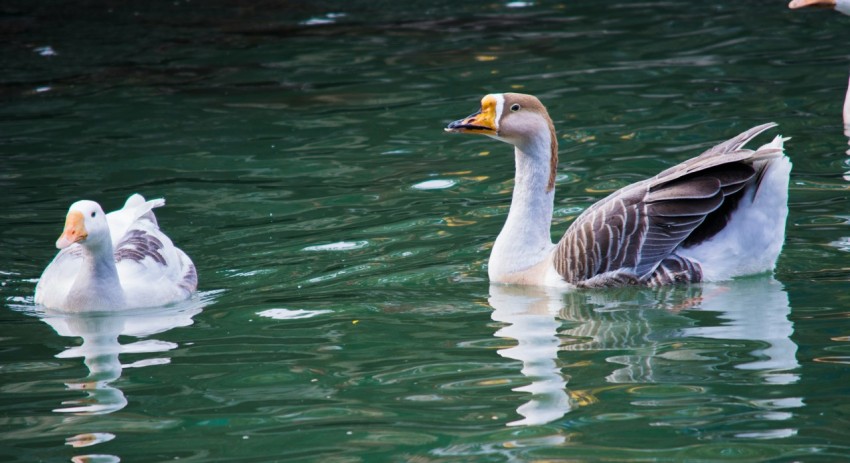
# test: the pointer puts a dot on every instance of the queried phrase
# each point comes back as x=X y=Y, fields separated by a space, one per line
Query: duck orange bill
x=75 y=230
x=483 y=121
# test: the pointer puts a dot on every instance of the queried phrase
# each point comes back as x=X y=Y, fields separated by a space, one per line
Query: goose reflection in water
x=754 y=310
x=654 y=327
x=846 y=112
x=843 y=243
x=529 y=314
x=100 y=350
x=649 y=322
x=846 y=117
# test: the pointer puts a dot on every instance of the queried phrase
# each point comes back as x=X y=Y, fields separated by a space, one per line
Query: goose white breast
x=713 y=217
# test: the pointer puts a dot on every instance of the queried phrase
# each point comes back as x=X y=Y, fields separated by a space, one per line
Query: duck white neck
x=97 y=285
x=525 y=240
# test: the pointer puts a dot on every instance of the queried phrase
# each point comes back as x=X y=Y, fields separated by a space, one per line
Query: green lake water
x=341 y=237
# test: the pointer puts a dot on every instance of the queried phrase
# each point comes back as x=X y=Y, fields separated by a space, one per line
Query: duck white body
x=713 y=217
x=115 y=261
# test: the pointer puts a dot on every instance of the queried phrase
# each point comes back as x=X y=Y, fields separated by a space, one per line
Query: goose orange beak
x=483 y=121
x=75 y=230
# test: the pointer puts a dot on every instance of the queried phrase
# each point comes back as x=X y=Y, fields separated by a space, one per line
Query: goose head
x=509 y=117
x=520 y=120
x=85 y=224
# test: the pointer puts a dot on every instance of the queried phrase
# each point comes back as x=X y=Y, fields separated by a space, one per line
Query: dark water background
x=341 y=237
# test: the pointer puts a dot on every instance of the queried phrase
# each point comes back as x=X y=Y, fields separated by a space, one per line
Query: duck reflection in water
x=652 y=334
x=100 y=350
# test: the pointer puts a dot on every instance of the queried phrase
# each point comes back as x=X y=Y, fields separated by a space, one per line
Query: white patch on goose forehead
x=500 y=105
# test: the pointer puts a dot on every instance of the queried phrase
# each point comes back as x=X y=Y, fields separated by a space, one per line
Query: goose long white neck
x=525 y=239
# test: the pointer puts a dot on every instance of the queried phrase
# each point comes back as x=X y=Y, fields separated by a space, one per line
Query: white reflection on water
x=756 y=310
x=645 y=328
x=291 y=314
x=530 y=316
x=645 y=324
x=846 y=117
x=100 y=350
x=329 y=18
x=846 y=112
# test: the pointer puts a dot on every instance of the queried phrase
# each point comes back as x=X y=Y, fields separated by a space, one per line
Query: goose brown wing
x=624 y=237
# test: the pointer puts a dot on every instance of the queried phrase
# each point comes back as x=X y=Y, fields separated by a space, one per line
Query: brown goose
x=713 y=217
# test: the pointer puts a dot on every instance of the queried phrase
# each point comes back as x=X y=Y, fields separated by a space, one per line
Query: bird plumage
x=115 y=261
x=652 y=232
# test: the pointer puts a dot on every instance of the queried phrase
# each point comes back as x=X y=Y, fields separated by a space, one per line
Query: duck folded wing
x=151 y=268
x=135 y=208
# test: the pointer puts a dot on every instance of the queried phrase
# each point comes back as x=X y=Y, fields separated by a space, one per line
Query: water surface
x=341 y=237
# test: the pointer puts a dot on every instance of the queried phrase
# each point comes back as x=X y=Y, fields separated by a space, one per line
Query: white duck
x=114 y=261
x=714 y=217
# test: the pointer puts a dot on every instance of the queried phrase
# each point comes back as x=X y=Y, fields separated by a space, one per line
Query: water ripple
x=302 y=154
